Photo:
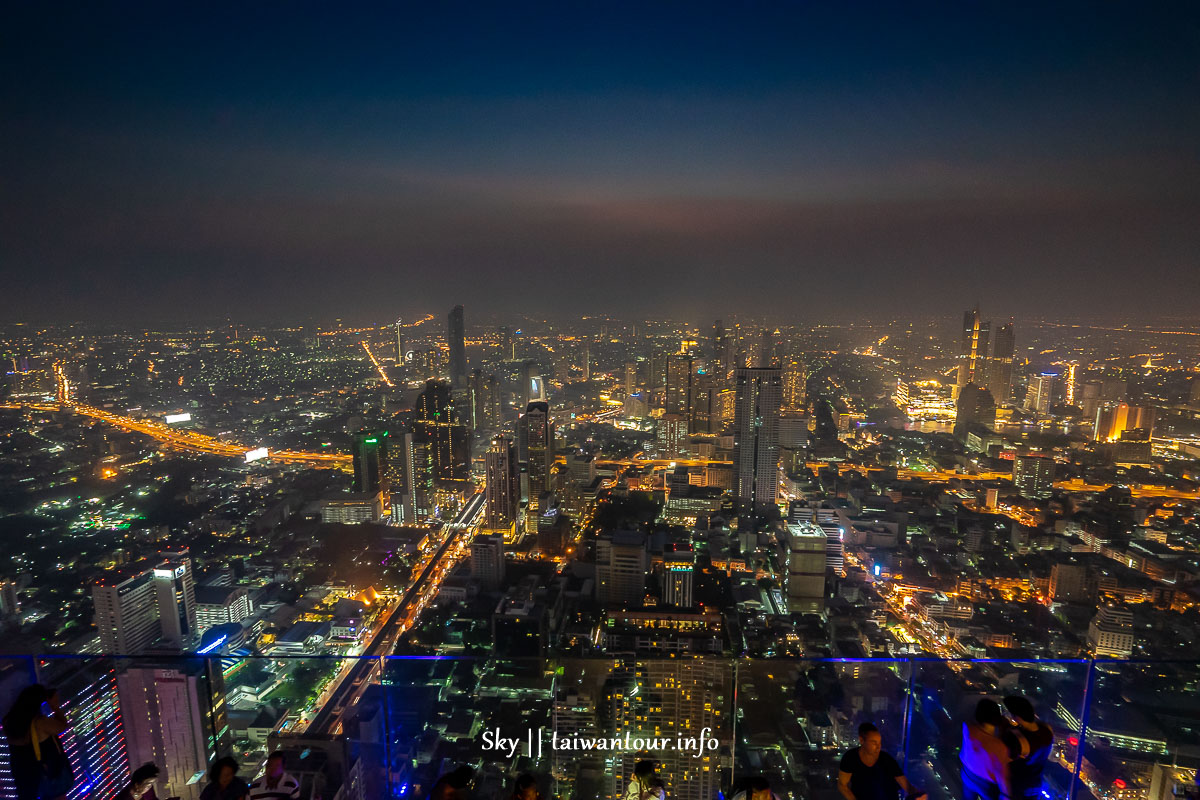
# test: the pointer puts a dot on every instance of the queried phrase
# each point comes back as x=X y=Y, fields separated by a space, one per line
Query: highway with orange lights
x=431 y=571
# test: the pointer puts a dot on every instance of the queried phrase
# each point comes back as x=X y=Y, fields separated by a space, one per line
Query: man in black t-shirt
x=1029 y=744
x=868 y=773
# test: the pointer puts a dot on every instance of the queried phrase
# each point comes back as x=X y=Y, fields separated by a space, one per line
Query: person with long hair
x=39 y=765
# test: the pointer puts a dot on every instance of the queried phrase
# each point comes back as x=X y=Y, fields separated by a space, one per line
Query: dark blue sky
x=294 y=159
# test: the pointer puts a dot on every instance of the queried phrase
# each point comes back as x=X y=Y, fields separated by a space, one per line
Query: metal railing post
x=1083 y=727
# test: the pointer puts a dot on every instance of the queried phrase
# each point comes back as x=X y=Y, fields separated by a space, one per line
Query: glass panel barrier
x=578 y=727
x=797 y=718
x=946 y=696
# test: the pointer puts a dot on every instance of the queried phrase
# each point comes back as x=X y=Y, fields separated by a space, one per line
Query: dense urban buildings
x=507 y=403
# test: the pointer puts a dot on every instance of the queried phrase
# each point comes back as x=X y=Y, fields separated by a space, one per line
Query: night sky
x=184 y=161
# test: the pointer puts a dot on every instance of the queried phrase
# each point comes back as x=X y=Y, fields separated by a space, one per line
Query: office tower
x=672 y=435
x=1003 y=346
x=972 y=351
x=621 y=566
x=126 y=613
x=1113 y=421
x=756 y=437
x=400 y=470
x=176 y=589
x=370 y=462
x=1038 y=393
x=502 y=488
x=807 y=557
x=456 y=338
x=487 y=561
x=975 y=406
x=587 y=359
x=437 y=424
x=1110 y=634
x=537 y=451
x=1034 y=475
x=630 y=378
x=680 y=374
x=678 y=578
x=793 y=385
x=174 y=715
x=423 y=493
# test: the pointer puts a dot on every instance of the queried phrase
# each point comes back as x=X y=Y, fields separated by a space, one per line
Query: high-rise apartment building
x=502 y=488
x=794 y=388
x=673 y=698
x=456 y=338
x=681 y=373
x=756 y=437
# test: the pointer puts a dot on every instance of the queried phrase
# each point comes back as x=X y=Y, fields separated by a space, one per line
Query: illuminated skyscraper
x=973 y=351
x=1113 y=420
x=502 y=488
x=456 y=338
x=756 y=437
x=793 y=385
x=680 y=376
x=1003 y=347
x=401 y=353
x=370 y=462
x=720 y=351
x=537 y=450
x=975 y=406
x=1038 y=393
x=437 y=425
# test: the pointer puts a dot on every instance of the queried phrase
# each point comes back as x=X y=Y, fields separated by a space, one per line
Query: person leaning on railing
x=868 y=773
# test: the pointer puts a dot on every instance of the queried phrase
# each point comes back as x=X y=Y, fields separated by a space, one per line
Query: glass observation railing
x=393 y=727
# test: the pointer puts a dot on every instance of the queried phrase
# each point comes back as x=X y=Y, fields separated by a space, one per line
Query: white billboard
x=172 y=418
x=256 y=454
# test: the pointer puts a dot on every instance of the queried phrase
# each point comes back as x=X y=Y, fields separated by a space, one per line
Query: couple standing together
x=1004 y=759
